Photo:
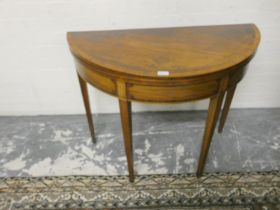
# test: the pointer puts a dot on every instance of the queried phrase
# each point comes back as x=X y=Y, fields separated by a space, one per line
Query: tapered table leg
x=125 y=112
x=225 y=111
x=84 y=90
x=212 y=116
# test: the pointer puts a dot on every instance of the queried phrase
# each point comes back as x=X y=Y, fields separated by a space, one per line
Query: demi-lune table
x=165 y=65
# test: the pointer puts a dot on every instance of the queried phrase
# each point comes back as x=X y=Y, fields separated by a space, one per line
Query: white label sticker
x=163 y=73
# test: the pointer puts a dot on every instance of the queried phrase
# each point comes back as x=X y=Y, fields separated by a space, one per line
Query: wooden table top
x=182 y=51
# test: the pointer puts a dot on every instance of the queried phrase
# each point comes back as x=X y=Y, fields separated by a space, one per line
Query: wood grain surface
x=183 y=51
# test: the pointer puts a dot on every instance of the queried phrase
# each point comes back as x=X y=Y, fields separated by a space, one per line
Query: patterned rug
x=219 y=191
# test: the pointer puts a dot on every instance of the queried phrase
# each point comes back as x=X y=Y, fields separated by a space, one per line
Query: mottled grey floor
x=164 y=142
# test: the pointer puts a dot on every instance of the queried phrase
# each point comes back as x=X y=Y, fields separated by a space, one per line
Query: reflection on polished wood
x=165 y=65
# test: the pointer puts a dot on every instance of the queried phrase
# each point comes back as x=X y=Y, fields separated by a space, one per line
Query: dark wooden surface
x=165 y=65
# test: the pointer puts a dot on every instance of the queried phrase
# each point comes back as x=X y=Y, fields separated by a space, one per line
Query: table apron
x=158 y=93
x=149 y=93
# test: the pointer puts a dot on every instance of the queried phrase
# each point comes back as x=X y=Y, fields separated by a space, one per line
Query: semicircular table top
x=182 y=51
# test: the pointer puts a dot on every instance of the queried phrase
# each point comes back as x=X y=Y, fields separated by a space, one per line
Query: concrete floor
x=164 y=142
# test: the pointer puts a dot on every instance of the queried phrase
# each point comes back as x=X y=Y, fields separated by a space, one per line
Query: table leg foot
x=225 y=111
x=125 y=112
x=85 y=95
x=213 y=112
x=198 y=175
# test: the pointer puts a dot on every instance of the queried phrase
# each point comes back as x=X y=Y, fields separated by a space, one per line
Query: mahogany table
x=165 y=65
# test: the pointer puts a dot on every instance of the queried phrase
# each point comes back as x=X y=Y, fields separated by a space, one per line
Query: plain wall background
x=37 y=74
